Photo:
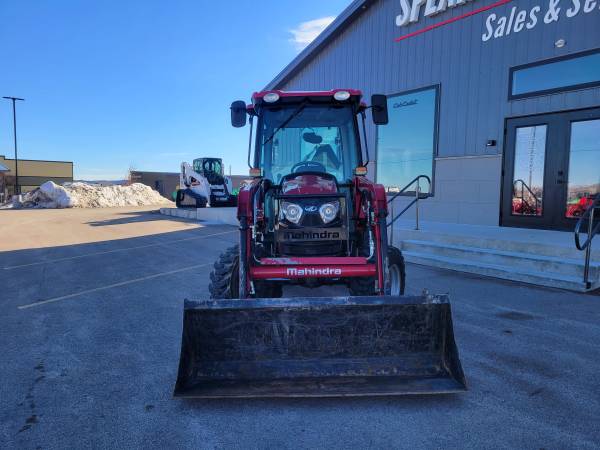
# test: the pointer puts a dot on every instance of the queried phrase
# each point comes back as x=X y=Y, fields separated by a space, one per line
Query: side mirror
x=238 y=113
x=379 y=109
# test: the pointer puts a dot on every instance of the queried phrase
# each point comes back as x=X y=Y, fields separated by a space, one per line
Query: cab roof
x=291 y=97
x=297 y=96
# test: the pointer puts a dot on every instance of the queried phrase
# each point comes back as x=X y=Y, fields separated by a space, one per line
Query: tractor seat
x=326 y=156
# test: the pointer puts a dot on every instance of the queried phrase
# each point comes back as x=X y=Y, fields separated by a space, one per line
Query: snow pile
x=84 y=195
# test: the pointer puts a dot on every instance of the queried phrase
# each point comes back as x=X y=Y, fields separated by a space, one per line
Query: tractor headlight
x=329 y=211
x=291 y=212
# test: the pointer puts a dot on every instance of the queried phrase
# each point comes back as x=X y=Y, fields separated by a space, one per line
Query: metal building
x=165 y=183
x=497 y=101
x=33 y=173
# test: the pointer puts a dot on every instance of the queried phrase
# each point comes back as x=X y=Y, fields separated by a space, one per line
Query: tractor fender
x=245 y=200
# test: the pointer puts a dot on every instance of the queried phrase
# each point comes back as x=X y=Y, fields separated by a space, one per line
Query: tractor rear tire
x=364 y=287
x=224 y=279
x=397 y=272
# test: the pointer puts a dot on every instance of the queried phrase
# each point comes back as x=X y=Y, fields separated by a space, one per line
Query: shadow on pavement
x=47 y=255
x=135 y=217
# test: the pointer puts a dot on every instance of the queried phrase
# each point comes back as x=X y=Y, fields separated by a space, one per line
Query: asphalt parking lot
x=90 y=330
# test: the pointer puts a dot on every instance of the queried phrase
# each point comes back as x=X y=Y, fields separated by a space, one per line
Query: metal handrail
x=418 y=196
x=591 y=232
x=415 y=180
x=526 y=186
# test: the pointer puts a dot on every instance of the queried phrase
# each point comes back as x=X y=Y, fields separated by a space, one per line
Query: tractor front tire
x=364 y=287
x=224 y=279
x=265 y=289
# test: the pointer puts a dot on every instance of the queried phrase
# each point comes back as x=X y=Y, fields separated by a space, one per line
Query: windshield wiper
x=286 y=121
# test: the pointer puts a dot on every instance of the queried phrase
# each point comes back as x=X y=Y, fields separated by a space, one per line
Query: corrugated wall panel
x=473 y=74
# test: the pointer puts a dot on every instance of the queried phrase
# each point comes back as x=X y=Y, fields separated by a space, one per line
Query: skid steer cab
x=203 y=184
x=311 y=217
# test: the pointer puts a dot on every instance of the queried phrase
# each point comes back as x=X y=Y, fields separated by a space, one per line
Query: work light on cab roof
x=271 y=97
x=341 y=96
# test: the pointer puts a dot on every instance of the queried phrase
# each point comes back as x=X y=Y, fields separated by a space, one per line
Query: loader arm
x=372 y=197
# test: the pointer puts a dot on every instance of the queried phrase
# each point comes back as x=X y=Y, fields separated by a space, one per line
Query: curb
x=226 y=216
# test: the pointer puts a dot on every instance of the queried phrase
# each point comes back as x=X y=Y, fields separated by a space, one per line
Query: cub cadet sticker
x=312 y=272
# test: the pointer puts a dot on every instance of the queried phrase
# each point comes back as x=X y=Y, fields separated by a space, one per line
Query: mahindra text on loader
x=311 y=217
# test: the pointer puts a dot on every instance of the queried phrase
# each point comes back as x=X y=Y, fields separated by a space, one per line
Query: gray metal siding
x=473 y=75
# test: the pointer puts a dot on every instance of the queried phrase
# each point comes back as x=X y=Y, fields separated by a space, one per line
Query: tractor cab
x=302 y=137
x=308 y=132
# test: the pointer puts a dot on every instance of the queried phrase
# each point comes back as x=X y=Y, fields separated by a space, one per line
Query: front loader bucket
x=318 y=347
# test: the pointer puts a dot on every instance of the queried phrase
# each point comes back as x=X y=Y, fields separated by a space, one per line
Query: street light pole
x=14 y=100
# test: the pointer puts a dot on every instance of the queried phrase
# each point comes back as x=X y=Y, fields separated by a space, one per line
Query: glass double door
x=551 y=170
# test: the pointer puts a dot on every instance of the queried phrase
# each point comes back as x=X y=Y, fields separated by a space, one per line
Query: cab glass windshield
x=208 y=165
x=308 y=138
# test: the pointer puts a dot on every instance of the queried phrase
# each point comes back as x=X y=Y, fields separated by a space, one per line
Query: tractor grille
x=331 y=248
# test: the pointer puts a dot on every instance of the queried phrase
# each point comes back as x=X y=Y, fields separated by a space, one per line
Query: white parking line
x=116 y=250
x=110 y=286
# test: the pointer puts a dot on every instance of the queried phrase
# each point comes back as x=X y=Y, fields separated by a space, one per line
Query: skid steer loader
x=203 y=184
x=311 y=217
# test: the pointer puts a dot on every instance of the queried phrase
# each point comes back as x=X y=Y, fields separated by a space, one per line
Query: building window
x=406 y=146
x=577 y=71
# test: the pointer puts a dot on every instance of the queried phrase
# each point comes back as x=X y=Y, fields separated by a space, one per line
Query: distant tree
x=129 y=178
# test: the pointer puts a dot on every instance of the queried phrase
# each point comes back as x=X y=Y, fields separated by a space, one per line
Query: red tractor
x=311 y=217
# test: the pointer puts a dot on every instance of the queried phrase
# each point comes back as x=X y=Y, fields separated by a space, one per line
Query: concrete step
x=499 y=271
x=517 y=260
x=215 y=215
x=181 y=213
x=563 y=249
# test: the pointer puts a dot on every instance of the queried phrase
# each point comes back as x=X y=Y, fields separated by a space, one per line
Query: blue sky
x=144 y=84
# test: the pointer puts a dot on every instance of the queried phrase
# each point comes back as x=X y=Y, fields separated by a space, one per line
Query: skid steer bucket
x=318 y=347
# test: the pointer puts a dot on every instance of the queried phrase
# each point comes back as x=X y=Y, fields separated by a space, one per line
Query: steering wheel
x=308 y=166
